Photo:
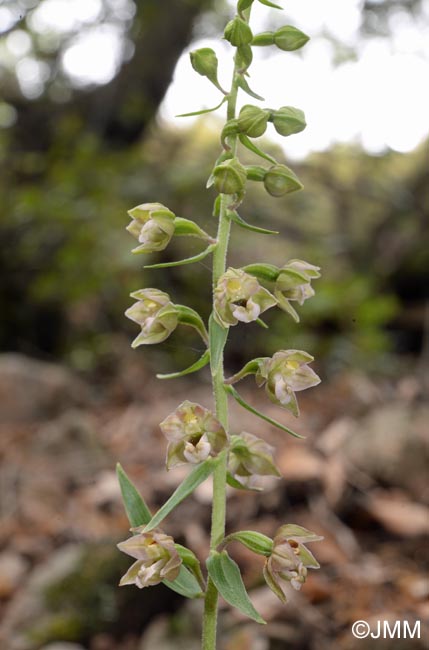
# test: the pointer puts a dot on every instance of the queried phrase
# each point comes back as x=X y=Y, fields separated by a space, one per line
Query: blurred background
x=88 y=94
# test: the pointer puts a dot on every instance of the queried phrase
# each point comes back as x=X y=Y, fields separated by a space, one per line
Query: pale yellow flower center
x=234 y=286
x=292 y=365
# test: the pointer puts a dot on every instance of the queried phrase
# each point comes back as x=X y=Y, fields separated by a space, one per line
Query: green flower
x=284 y=374
x=238 y=296
x=156 y=555
x=153 y=225
x=194 y=434
x=251 y=458
x=294 y=284
x=156 y=315
x=290 y=559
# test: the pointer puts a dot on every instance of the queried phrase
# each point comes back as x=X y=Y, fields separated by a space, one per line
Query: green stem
x=220 y=396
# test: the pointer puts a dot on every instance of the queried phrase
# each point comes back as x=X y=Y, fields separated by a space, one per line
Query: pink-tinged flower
x=250 y=458
x=294 y=284
x=156 y=315
x=153 y=225
x=156 y=555
x=238 y=296
x=284 y=374
x=194 y=434
x=290 y=558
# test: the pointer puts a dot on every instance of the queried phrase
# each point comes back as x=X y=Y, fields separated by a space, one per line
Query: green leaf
x=198 y=475
x=137 y=511
x=231 y=390
x=139 y=514
x=204 y=110
x=188 y=260
x=228 y=581
x=217 y=336
x=202 y=361
x=235 y=217
x=251 y=539
x=267 y=3
x=246 y=142
x=242 y=83
x=185 y=584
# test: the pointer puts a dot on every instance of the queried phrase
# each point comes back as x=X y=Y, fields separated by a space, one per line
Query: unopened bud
x=205 y=62
x=156 y=315
x=290 y=38
x=230 y=177
x=243 y=58
x=288 y=120
x=280 y=180
x=252 y=120
x=238 y=32
x=153 y=225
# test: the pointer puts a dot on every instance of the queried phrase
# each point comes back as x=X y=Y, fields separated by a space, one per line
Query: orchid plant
x=197 y=436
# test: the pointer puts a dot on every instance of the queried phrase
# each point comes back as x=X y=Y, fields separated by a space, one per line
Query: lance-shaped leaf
x=267 y=3
x=231 y=390
x=228 y=581
x=202 y=361
x=187 y=486
x=203 y=110
x=235 y=217
x=251 y=539
x=138 y=514
x=137 y=511
x=242 y=83
x=218 y=336
x=187 y=260
x=246 y=142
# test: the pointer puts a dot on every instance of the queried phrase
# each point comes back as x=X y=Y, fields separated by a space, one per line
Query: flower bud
x=194 y=434
x=290 y=38
x=252 y=120
x=280 y=180
x=238 y=32
x=205 y=62
x=153 y=225
x=156 y=315
x=284 y=374
x=157 y=559
x=290 y=558
x=230 y=177
x=244 y=4
x=293 y=283
x=288 y=120
x=238 y=296
x=249 y=459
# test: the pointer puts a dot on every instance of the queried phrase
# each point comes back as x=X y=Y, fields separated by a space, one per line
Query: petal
x=131 y=575
x=304 y=377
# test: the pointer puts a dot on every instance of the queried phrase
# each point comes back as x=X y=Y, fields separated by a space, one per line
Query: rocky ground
x=360 y=479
